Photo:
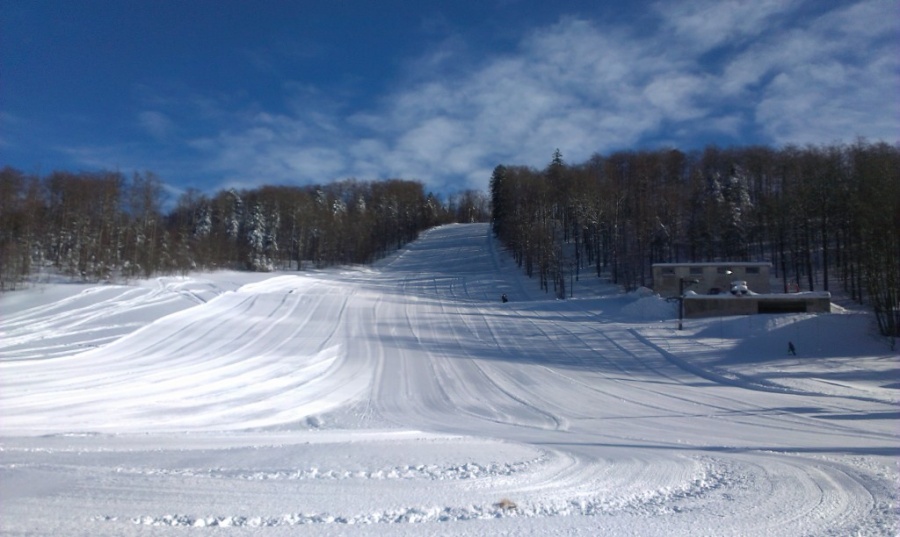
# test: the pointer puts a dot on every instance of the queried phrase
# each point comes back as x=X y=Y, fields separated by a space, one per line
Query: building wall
x=711 y=276
x=696 y=306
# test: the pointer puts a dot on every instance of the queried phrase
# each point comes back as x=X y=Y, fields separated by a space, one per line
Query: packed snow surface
x=407 y=399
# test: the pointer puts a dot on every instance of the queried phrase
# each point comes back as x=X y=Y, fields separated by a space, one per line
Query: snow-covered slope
x=408 y=400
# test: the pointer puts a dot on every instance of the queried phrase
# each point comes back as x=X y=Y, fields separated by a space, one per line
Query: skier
x=504 y=298
x=791 y=348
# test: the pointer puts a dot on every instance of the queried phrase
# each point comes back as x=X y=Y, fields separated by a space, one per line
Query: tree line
x=823 y=216
x=101 y=225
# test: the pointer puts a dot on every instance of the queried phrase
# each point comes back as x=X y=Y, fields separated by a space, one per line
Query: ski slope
x=406 y=399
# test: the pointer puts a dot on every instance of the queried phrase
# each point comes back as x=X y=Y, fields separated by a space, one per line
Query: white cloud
x=270 y=149
x=712 y=70
x=708 y=24
x=571 y=85
x=827 y=103
x=831 y=81
x=675 y=95
x=155 y=123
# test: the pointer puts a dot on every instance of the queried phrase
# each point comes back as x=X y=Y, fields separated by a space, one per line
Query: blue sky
x=212 y=94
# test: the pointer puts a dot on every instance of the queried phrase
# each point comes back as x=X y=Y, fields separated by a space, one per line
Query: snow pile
x=645 y=305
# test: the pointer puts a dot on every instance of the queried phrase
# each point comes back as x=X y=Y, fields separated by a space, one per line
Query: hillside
x=360 y=400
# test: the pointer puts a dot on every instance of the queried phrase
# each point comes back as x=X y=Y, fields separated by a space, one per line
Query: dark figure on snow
x=504 y=298
x=791 y=348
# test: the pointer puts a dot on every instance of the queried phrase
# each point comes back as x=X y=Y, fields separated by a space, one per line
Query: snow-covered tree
x=256 y=235
x=734 y=198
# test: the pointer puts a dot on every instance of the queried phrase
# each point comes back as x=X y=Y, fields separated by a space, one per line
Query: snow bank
x=645 y=305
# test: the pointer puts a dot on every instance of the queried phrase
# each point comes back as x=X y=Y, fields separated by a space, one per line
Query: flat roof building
x=707 y=288
x=713 y=278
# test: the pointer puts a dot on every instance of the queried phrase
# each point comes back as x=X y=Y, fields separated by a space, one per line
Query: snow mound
x=648 y=306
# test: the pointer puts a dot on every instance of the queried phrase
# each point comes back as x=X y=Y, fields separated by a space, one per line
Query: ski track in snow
x=405 y=399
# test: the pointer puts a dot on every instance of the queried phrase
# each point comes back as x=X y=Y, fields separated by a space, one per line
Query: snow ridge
x=466 y=471
x=648 y=503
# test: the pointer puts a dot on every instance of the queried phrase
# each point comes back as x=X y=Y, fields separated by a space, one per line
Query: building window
x=668 y=271
x=696 y=271
x=752 y=270
x=724 y=270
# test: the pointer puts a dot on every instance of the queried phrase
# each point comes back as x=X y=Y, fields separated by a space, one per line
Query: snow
x=407 y=399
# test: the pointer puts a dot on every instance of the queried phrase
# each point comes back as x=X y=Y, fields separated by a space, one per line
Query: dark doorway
x=781 y=306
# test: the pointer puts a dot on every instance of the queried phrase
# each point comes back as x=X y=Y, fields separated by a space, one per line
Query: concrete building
x=723 y=305
x=713 y=278
x=711 y=296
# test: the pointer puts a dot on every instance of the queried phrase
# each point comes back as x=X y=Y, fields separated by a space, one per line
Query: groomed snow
x=406 y=399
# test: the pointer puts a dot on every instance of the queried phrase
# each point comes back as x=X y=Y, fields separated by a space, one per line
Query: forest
x=97 y=226
x=822 y=215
